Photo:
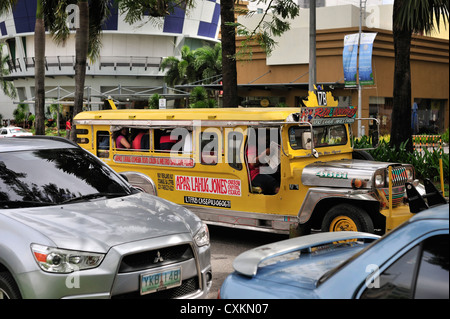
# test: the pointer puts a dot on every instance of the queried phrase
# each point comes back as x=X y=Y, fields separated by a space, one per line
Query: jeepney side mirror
x=306 y=140
x=307 y=143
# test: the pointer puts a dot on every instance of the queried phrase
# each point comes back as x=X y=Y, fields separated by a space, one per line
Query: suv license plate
x=156 y=281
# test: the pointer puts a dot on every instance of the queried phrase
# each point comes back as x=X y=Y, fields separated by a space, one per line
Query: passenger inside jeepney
x=166 y=141
x=120 y=136
x=140 y=139
x=261 y=174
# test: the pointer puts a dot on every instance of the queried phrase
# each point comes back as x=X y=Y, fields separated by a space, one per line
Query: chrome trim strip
x=251 y=221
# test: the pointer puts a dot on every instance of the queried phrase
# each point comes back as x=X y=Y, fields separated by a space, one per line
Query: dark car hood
x=98 y=225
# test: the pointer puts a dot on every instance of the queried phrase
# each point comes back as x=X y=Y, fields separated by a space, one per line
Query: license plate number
x=156 y=281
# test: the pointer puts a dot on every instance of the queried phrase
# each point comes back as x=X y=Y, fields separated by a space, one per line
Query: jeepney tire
x=362 y=155
x=347 y=217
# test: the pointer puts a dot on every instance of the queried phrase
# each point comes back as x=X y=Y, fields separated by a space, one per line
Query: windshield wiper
x=91 y=196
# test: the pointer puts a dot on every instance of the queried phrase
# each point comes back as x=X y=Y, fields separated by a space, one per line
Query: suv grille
x=156 y=258
x=188 y=286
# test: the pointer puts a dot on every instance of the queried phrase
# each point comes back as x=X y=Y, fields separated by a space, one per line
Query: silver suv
x=70 y=227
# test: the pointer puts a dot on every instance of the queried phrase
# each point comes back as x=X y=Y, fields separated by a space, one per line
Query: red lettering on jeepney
x=182 y=183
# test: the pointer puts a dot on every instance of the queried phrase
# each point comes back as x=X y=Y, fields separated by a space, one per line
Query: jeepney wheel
x=346 y=217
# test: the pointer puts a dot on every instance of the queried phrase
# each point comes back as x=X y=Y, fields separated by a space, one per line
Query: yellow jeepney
x=209 y=169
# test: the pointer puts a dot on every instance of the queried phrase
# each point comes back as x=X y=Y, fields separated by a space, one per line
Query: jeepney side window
x=209 y=148
x=102 y=144
x=297 y=139
x=178 y=140
x=82 y=136
x=234 y=146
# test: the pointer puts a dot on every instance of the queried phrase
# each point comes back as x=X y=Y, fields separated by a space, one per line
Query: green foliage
x=445 y=137
x=273 y=23
x=203 y=64
x=7 y=87
x=421 y=15
x=199 y=98
x=153 y=101
x=426 y=163
x=21 y=112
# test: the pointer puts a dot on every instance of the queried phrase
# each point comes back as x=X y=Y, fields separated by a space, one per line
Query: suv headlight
x=56 y=260
x=201 y=238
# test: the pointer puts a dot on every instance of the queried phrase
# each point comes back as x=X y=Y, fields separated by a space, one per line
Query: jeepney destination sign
x=328 y=115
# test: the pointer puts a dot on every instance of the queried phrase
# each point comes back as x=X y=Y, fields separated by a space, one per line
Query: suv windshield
x=56 y=176
x=332 y=135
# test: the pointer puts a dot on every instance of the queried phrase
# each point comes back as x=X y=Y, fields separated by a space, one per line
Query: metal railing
x=61 y=62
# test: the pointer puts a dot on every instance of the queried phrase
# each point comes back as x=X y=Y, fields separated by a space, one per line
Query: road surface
x=226 y=244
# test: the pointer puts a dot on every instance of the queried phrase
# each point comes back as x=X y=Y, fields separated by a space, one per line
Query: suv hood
x=98 y=225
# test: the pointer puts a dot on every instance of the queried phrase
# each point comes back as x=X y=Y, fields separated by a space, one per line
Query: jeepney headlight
x=51 y=259
x=201 y=238
x=379 y=180
x=410 y=174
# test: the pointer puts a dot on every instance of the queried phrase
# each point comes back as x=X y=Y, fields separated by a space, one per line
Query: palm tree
x=6 y=5
x=180 y=71
x=87 y=39
x=208 y=62
x=39 y=68
x=7 y=87
x=409 y=17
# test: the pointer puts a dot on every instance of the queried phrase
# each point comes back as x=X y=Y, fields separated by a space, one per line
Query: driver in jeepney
x=261 y=173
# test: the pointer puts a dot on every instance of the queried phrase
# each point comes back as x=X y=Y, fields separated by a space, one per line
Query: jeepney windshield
x=330 y=135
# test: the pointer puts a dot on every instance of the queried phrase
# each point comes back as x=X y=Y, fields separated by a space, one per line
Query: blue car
x=411 y=262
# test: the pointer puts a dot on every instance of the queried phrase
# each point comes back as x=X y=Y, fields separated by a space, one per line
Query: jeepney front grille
x=399 y=179
x=398 y=193
x=399 y=176
x=156 y=258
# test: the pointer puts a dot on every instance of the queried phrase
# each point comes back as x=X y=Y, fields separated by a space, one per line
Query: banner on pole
x=350 y=58
x=365 y=58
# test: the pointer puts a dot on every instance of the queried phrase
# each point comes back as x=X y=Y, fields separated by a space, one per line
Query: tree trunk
x=229 y=74
x=81 y=51
x=401 y=112
x=39 y=77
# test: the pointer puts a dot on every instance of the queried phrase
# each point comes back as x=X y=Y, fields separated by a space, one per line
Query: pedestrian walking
x=68 y=128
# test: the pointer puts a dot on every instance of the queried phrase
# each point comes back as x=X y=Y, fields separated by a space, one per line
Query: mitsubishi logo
x=158 y=258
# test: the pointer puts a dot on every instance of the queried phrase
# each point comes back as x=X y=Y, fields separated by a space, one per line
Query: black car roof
x=26 y=143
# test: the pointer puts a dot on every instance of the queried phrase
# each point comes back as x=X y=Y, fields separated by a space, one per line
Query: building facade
x=128 y=69
x=282 y=78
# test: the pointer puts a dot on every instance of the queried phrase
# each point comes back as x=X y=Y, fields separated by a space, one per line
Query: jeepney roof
x=186 y=116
